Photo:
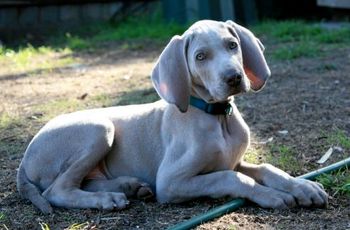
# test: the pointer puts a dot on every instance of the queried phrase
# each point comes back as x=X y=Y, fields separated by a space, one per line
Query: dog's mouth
x=243 y=87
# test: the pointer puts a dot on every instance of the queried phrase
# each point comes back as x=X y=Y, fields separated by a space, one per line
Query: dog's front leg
x=307 y=193
x=175 y=186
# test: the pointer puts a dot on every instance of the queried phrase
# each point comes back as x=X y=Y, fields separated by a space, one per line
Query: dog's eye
x=232 y=45
x=200 y=57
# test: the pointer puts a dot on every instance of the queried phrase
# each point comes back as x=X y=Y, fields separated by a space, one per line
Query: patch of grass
x=11 y=134
x=254 y=155
x=142 y=26
x=2 y=216
x=341 y=35
x=11 y=147
x=3 y=220
x=134 y=28
x=60 y=47
x=298 y=30
x=337 y=182
x=138 y=97
x=338 y=138
x=286 y=31
x=297 y=50
x=30 y=58
x=102 y=100
x=284 y=158
x=54 y=108
x=280 y=156
x=300 y=39
x=5 y=120
x=76 y=42
x=10 y=122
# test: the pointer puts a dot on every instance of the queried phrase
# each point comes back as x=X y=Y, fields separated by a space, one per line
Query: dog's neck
x=218 y=108
x=201 y=99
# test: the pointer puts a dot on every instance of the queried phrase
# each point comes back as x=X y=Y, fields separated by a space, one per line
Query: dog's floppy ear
x=254 y=62
x=170 y=76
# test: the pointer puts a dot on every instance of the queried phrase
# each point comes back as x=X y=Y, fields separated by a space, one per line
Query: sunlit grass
x=255 y=155
x=54 y=108
x=279 y=155
x=31 y=59
x=59 y=48
x=44 y=226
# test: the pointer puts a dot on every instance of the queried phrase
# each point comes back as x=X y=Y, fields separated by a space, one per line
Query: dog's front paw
x=308 y=193
x=272 y=198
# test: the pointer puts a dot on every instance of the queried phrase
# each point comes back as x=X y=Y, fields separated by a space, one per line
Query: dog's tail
x=29 y=191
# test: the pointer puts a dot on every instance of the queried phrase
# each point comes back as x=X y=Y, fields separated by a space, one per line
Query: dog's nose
x=234 y=79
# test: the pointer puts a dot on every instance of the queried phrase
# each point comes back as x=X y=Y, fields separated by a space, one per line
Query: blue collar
x=219 y=108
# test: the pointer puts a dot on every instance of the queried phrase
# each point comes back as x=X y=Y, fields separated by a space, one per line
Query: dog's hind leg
x=90 y=143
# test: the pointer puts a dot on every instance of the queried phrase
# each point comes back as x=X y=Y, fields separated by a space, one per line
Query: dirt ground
x=308 y=97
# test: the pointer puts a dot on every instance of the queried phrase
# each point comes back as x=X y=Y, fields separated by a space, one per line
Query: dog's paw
x=308 y=193
x=275 y=199
x=144 y=192
x=133 y=187
x=111 y=201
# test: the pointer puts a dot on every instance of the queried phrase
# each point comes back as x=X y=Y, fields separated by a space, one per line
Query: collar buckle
x=229 y=110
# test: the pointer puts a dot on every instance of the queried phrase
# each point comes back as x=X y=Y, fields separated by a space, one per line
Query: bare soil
x=304 y=96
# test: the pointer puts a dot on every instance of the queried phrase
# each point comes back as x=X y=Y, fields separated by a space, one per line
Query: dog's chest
x=226 y=159
x=232 y=141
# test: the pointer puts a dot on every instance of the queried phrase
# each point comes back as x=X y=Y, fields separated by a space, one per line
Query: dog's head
x=212 y=60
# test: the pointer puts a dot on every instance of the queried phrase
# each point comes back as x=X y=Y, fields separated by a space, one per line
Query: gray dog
x=189 y=144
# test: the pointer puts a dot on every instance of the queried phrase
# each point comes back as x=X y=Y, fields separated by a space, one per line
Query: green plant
x=143 y=26
x=338 y=138
x=283 y=157
x=341 y=35
x=46 y=58
x=292 y=30
x=297 y=50
x=298 y=30
x=300 y=39
x=76 y=42
x=2 y=216
x=338 y=182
